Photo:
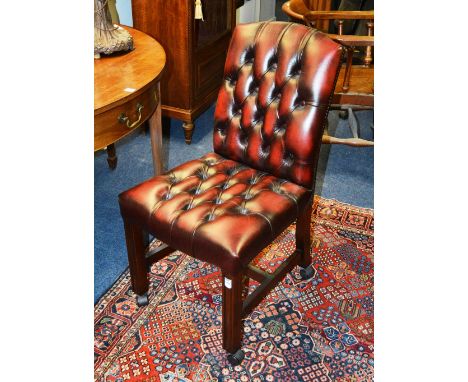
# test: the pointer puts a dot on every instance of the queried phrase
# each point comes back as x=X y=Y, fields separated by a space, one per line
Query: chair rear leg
x=303 y=242
x=136 y=238
x=232 y=317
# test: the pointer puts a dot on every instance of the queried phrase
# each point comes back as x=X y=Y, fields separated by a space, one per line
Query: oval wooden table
x=126 y=94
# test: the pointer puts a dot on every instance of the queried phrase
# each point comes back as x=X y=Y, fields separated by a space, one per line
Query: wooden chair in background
x=355 y=87
x=296 y=9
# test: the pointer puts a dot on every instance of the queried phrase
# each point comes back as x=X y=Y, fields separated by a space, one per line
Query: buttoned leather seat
x=225 y=207
x=216 y=209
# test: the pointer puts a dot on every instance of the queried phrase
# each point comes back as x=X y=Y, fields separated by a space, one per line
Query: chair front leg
x=135 y=238
x=303 y=235
x=303 y=241
x=232 y=316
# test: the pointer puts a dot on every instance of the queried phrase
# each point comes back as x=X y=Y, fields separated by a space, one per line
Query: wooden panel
x=209 y=70
x=169 y=23
x=217 y=20
x=196 y=51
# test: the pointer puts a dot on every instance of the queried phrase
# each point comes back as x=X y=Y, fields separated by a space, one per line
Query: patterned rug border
x=330 y=222
x=318 y=198
x=181 y=268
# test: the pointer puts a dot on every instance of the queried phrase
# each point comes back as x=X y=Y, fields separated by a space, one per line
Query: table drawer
x=114 y=124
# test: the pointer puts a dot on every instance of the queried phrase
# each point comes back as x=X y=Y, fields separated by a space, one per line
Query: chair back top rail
x=340 y=15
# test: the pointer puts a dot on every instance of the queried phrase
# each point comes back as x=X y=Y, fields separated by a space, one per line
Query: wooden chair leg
x=245 y=287
x=303 y=235
x=232 y=313
x=303 y=241
x=135 y=238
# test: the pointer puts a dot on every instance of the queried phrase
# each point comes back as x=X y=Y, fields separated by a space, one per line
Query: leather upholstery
x=215 y=209
x=225 y=207
x=272 y=106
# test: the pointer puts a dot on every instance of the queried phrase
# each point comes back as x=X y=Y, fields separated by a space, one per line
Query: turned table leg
x=111 y=156
x=188 y=131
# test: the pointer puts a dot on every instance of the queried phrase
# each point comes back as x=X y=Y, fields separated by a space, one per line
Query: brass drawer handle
x=125 y=120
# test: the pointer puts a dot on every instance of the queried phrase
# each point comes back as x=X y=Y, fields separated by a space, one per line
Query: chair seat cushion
x=215 y=209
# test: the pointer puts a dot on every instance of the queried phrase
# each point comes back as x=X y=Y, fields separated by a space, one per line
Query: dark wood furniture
x=196 y=51
x=355 y=86
x=126 y=94
x=227 y=206
x=296 y=9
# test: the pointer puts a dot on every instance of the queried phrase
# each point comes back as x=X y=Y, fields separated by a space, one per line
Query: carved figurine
x=108 y=37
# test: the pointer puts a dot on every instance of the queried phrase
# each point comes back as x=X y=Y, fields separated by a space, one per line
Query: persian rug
x=315 y=330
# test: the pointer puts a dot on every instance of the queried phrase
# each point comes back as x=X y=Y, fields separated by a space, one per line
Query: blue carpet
x=345 y=173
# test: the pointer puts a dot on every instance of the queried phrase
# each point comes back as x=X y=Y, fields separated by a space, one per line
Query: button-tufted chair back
x=272 y=107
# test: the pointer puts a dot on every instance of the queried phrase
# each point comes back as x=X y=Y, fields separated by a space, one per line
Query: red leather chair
x=225 y=207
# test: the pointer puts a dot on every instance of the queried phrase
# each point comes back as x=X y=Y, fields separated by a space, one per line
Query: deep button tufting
x=292 y=65
x=299 y=102
x=211 y=216
x=237 y=233
x=279 y=129
x=231 y=81
x=273 y=61
x=248 y=195
x=258 y=115
x=276 y=91
x=265 y=148
x=280 y=126
x=288 y=159
x=243 y=210
x=221 y=126
x=256 y=178
x=268 y=214
x=253 y=87
x=195 y=191
x=243 y=137
x=249 y=53
x=234 y=170
x=276 y=187
x=209 y=162
x=222 y=133
x=172 y=179
x=233 y=76
x=296 y=68
x=236 y=109
x=203 y=173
